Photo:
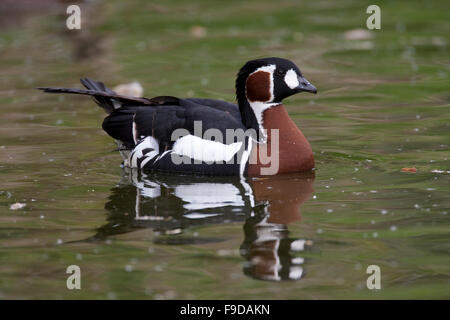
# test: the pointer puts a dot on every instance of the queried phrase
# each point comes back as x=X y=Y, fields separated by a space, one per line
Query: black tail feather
x=95 y=85
x=106 y=103
x=104 y=97
x=110 y=100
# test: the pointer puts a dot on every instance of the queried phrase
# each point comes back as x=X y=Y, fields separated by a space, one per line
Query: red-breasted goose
x=212 y=137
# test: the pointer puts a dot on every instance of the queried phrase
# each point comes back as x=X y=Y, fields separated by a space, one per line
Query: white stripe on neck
x=258 y=109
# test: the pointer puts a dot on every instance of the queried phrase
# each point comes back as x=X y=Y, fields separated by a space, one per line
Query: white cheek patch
x=291 y=79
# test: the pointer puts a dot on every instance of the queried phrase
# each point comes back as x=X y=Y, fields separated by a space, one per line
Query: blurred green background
x=383 y=105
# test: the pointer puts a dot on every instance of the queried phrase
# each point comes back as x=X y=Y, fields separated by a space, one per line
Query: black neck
x=247 y=114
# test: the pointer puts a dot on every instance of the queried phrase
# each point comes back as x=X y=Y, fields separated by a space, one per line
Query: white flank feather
x=148 y=143
x=205 y=150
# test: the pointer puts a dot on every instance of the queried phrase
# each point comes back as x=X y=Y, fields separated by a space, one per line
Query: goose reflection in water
x=168 y=204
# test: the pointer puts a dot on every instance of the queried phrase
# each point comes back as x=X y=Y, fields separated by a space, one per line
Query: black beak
x=304 y=85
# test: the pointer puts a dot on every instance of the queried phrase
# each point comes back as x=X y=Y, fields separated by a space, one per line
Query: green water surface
x=383 y=105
